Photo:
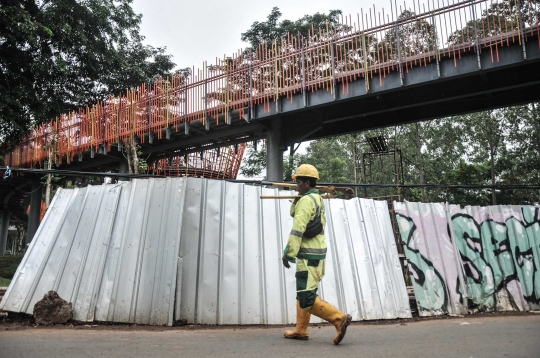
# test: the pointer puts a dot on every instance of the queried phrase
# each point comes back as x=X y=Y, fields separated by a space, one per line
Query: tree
x=414 y=37
x=60 y=55
x=493 y=147
x=468 y=174
x=272 y=29
x=519 y=162
x=254 y=163
x=497 y=18
x=486 y=138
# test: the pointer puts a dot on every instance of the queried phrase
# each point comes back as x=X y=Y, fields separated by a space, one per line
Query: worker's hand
x=285 y=262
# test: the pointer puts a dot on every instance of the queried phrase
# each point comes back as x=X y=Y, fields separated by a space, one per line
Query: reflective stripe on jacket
x=299 y=246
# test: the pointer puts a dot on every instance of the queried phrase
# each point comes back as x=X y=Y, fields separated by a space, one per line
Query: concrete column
x=4 y=226
x=35 y=209
x=274 y=153
x=123 y=168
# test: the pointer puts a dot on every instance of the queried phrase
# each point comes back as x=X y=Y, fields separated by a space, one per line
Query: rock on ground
x=52 y=309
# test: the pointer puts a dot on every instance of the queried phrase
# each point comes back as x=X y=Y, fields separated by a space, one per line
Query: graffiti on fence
x=495 y=263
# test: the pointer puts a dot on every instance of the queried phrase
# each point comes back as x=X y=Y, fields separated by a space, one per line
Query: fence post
x=476 y=41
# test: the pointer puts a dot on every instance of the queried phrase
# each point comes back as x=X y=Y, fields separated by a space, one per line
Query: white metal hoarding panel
x=53 y=265
x=356 y=290
x=331 y=287
x=278 y=288
x=363 y=252
x=98 y=250
x=189 y=248
x=499 y=248
x=375 y=238
x=139 y=281
x=251 y=275
x=472 y=259
x=126 y=285
x=106 y=299
x=89 y=251
x=19 y=293
x=156 y=291
x=395 y=284
x=209 y=254
x=208 y=250
x=432 y=261
x=286 y=277
x=229 y=273
x=518 y=254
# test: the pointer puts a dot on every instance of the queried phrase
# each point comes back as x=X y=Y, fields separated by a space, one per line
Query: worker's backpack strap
x=315 y=226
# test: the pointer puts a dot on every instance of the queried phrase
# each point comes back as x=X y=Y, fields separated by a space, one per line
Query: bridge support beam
x=4 y=226
x=35 y=211
x=274 y=152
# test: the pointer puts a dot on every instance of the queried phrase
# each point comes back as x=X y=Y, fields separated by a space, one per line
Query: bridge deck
x=329 y=83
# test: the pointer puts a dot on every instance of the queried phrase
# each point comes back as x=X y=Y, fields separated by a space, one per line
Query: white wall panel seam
x=352 y=254
x=140 y=254
x=115 y=280
x=73 y=229
x=202 y=221
x=89 y=236
x=240 y=248
x=368 y=213
x=160 y=262
x=261 y=267
x=462 y=281
x=280 y=243
x=102 y=264
x=330 y=222
x=221 y=236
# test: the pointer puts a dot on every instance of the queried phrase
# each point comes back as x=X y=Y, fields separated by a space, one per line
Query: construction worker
x=307 y=248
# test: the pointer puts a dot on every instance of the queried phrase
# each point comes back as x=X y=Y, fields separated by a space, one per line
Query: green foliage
x=4 y=282
x=272 y=29
x=497 y=18
x=57 y=56
x=333 y=159
x=461 y=150
x=8 y=266
x=414 y=38
x=254 y=163
x=492 y=147
x=469 y=174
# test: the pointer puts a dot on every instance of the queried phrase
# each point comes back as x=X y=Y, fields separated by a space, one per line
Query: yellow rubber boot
x=302 y=323
x=331 y=314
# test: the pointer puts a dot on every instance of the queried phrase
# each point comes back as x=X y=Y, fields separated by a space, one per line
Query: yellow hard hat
x=306 y=170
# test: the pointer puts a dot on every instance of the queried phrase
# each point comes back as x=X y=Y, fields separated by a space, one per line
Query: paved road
x=508 y=336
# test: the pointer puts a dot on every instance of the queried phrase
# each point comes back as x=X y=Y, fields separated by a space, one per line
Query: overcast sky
x=197 y=30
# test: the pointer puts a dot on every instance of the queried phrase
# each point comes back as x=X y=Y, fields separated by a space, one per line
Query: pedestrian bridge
x=414 y=62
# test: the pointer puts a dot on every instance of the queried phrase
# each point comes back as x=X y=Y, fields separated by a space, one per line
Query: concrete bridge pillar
x=4 y=226
x=35 y=210
x=274 y=152
x=123 y=168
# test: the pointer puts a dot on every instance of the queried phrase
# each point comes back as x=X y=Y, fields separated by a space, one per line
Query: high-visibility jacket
x=298 y=245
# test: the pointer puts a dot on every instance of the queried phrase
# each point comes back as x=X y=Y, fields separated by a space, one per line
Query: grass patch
x=4 y=282
x=8 y=266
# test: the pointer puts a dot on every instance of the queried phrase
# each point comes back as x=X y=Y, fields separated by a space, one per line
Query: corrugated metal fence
x=465 y=260
x=155 y=251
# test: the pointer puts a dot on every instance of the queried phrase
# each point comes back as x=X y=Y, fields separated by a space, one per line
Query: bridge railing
x=367 y=47
x=221 y=163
